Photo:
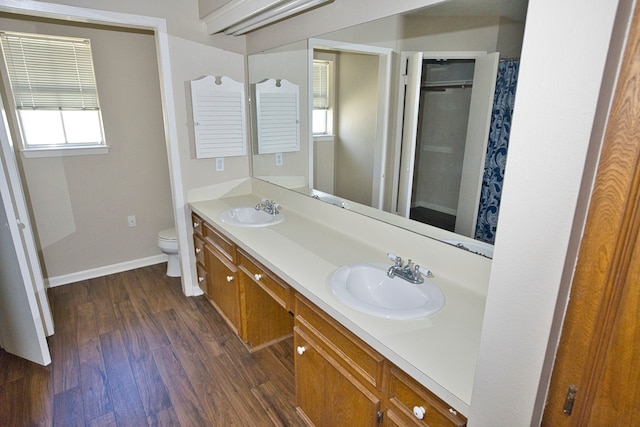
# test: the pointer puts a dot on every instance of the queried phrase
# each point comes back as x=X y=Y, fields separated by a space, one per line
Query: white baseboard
x=52 y=282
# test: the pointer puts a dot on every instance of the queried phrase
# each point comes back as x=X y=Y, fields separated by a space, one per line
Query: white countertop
x=439 y=351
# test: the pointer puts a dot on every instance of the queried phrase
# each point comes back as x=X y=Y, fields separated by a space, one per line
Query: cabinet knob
x=196 y=224
x=200 y=279
x=198 y=250
x=258 y=276
x=418 y=412
x=301 y=349
x=229 y=278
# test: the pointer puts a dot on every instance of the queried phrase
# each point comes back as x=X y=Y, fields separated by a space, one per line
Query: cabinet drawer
x=405 y=394
x=358 y=358
x=202 y=278
x=198 y=245
x=224 y=245
x=276 y=288
x=197 y=224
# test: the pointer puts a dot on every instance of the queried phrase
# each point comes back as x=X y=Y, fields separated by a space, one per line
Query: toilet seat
x=168 y=234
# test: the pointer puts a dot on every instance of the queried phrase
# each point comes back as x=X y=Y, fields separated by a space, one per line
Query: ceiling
x=512 y=9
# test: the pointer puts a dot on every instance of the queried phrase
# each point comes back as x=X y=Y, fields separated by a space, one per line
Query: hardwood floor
x=131 y=350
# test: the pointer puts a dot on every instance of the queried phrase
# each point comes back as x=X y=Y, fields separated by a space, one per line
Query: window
x=54 y=89
x=322 y=113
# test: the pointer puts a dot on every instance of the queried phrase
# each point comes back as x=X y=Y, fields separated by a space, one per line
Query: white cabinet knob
x=196 y=224
x=200 y=278
x=418 y=412
x=301 y=349
x=257 y=276
x=198 y=250
x=453 y=411
x=229 y=278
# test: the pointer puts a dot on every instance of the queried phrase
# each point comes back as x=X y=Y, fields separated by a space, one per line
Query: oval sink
x=367 y=288
x=248 y=216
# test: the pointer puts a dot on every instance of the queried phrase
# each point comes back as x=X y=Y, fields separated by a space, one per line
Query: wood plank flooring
x=131 y=350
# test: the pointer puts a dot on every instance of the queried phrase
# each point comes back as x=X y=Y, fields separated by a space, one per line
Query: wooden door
x=599 y=351
x=25 y=317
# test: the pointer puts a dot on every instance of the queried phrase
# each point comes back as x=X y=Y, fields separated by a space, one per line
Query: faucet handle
x=424 y=271
x=395 y=258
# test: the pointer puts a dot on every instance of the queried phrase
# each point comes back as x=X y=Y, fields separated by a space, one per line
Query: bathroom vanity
x=350 y=368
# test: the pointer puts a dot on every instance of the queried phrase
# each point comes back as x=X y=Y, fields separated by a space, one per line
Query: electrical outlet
x=131 y=219
x=219 y=164
x=279 y=159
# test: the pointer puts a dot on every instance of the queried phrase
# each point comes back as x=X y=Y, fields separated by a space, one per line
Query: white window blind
x=50 y=73
x=54 y=88
x=320 y=85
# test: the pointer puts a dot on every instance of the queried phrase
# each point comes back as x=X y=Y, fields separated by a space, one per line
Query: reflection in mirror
x=289 y=169
x=350 y=117
x=448 y=31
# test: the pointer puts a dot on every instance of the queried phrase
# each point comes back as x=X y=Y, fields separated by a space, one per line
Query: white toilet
x=168 y=243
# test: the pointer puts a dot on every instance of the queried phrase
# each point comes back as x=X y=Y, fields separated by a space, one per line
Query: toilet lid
x=168 y=234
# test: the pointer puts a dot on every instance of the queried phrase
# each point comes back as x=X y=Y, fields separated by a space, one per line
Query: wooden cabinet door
x=223 y=286
x=326 y=393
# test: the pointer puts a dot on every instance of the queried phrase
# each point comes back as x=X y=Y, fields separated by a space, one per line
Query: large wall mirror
x=398 y=117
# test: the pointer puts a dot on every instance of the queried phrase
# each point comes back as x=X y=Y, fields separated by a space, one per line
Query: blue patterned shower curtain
x=491 y=192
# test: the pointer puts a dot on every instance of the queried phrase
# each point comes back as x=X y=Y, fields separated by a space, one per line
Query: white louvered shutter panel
x=278 y=116
x=219 y=117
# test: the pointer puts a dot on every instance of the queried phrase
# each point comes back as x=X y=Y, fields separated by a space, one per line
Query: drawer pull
x=453 y=411
x=198 y=250
x=200 y=279
x=418 y=412
x=229 y=278
x=258 y=276
x=301 y=349
x=196 y=224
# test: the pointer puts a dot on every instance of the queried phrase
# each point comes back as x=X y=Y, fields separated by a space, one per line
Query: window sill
x=323 y=138
x=33 y=153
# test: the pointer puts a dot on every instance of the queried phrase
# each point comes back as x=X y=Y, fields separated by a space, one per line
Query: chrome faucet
x=269 y=206
x=410 y=272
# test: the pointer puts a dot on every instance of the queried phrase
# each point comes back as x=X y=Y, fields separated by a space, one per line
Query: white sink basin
x=248 y=216
x=367 y=288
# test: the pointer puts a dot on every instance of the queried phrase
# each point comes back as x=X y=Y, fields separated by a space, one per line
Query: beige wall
x=80 y=204
x=357 y=100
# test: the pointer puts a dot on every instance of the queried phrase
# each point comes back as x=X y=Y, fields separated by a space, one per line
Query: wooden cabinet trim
x=359 y=358
x=404 y=393
x=373 y=399
x=225 y=246
x=269 y=282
